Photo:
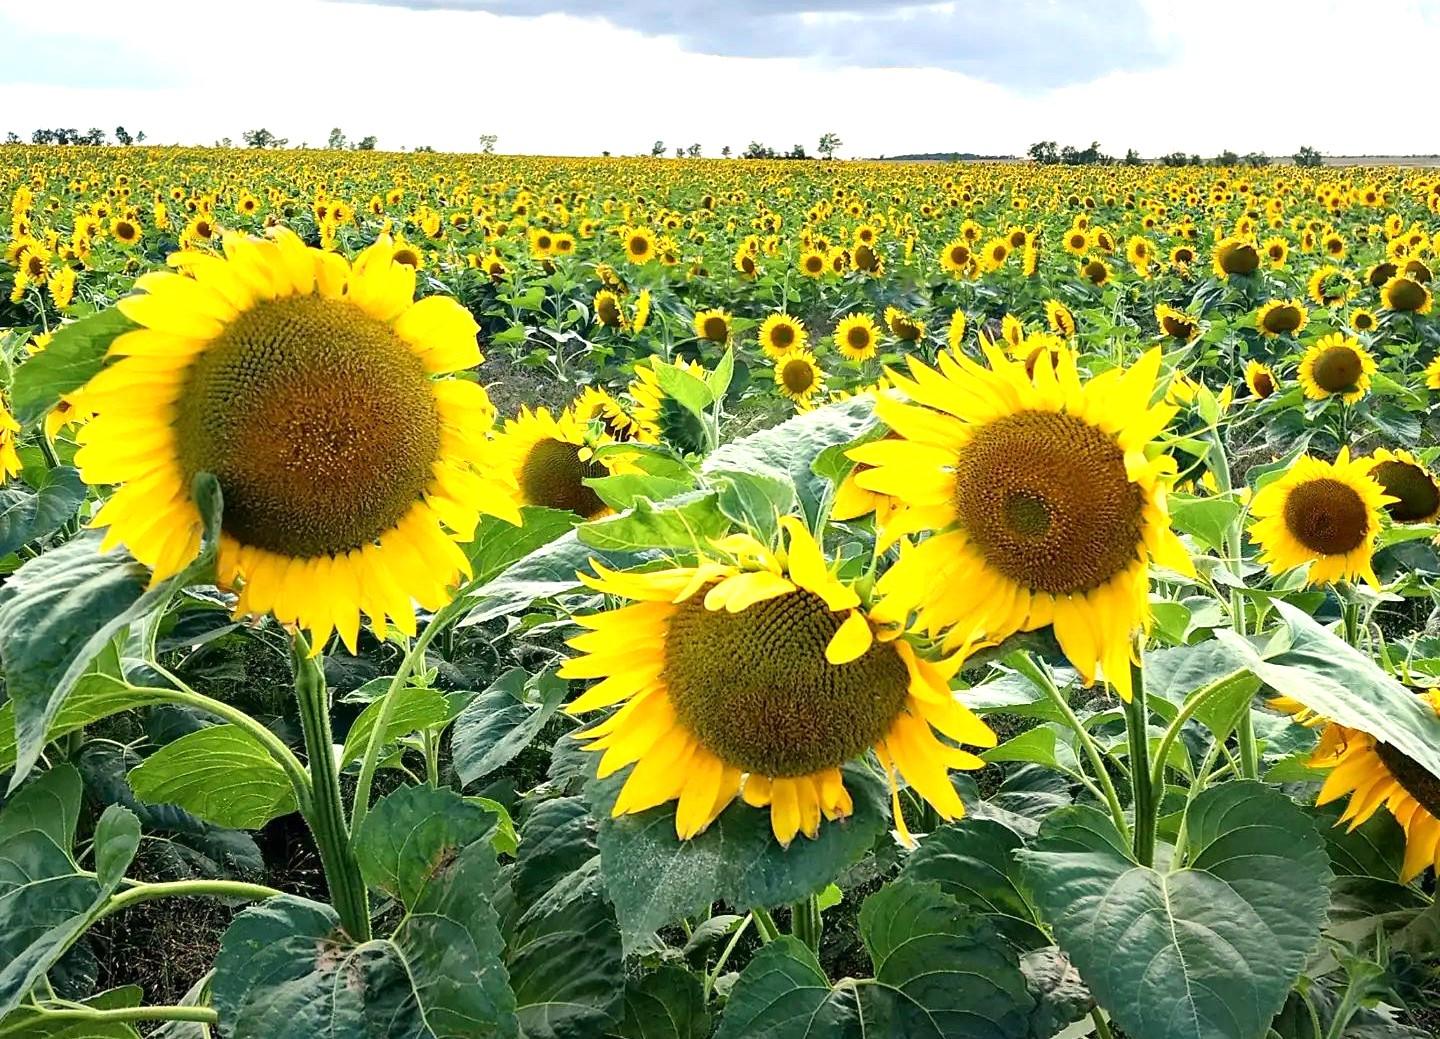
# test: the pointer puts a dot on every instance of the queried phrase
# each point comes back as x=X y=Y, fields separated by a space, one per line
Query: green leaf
x=38 y=1026
x=939 y=974
x=655 y=878
x=414 y=709
x=1061 y=998
x=668 y=1003
x=117 y=839
x=59 y=610
x=547 y=571
x=95 y=696
x=412 y=834
x=754 y=501
x=1174 y=674
x=502 y=721
x=973 y=861
x=499 y=543
x=28 y=515
x=1336 y=680
x=1205 y=951
x=220 y=773
x=1044 y=745
x=1209 y=520
x=719 y=380
x=74 y=356
x=787 y=452
x=689 y=521
x=689 y=391
x=623 y=490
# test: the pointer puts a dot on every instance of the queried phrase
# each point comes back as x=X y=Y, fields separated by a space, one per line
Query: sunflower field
x=479 y=596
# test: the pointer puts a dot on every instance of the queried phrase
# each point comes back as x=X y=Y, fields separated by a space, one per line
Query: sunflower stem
x=1186 y=712
x=714 y=973
x=805 y=922
x=187 y=889
x=1027 y=666
x=96 y=1015
x=1102 y=1026
x=327 y=810
x=1137 y=717
x=765 y=924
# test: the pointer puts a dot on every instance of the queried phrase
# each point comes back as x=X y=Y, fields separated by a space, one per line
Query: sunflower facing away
x=1045 y=507
x=548 y=457
x=1409 y=483
x=1336 y=366
x=306 y=386
x=1405 y=293
x=758 y=673
x=1373 y=773
x=1176 y=324
x=1322 y=513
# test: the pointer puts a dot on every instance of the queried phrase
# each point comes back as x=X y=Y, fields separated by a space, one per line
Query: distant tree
x=12 y=138
x=94 y=137
x=725 y=151
x=797 y=152
x=224 y=142
x=657 y=149
x=140 y=137
x=606 y=153
x=1308 y=156
x=679 y=152
x=488 y=142
x=1226 y=158
x=1132 y=158
x=425 y=148
x=262 y=138
x=123 y=137
x=1175 y=159
x=336 y=141
x=1043 y=152
x=367 y=144
x=693 y=151
x=1195 y=160
x=829 y=144
x=1255 y=159
x=756 y=150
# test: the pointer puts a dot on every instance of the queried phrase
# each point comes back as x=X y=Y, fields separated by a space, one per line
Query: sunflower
x=856 y=337
x=1276 y=250
x=1330 y=286
x=1235 y=256
x=1176 y=324
x=1036 y=345
x=1046 y=508
x=955 y=333
x=712 y=325
x=548 y=457
x=1363 y=320
x=608 y=310
x=1414 y=491
x=10 y=464
x=1322 y=513
x=995 y=253
x=1405 y=293
x=640 y=317
x=758 y=673
x=1061 y=321
x=1373 y=773
x=1336 y=366
x=1432 y=375
x=1095 y=270
x=597 y=405
x=1261 y=379
x=903 y=326
x=1077 y=241
x=1280 y=316
x=956 y=257
x=639 y=244
x=1380 y=273
x=798 y=377
x=125 y=230
x=812 y=263
x=305 y=386
x=781 y=333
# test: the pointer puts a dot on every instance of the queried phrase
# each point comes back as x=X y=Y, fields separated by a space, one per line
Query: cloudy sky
x=581 y=76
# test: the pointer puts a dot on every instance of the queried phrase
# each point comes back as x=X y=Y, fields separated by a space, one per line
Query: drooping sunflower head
x=1336 y=366
x=1046 y=507
x=1095 y=270
x=1377 y=275
x=1326 y=514
x=712 y=326
x=757 y=673
x=1061 y=321
x=905 y=327
x=1281 y=317
x=1410 y=484
x=307 y=387
x=1176 y=324
x=1374 y=773
x=1235 y=256
x=549 y=457
x=596 y=406
x=798 y=377
x=608 y=310
x=1261 y=379
x=781 y=333
x=1407 y=294
x=660 y=416
x=857 y=337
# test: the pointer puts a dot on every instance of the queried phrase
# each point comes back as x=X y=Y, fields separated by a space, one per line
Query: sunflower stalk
x=805 y=922
x=765 y=925
x=327 y=810
x=1137 y=716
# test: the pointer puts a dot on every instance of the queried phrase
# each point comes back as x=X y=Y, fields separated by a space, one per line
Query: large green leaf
x=687 y=521
x=502 y=721
x=668 y=1003
x=221 y=774
x=939 y=973
x=787 y=452
x=546 y=571
x=1205 y=951
x=498 y=542
x=414 y=709
x=286 y=970
x=74 y=355
x=1334 y=679
x=59 y=610
x=28 y=515
x=655 y=879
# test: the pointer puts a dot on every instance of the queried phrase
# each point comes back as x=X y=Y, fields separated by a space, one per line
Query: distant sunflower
x=608 y=310
x=956 y=257
x=1411 y=485
x=1061 y=321
x=1038 y=346
x=1077 y=241
x=1362 y=320
x=856 y=337
x=955 y=333
x=548 y=457
x=813 y=263
x=798 y=377
x=713 y=326
x=306 y=386
x=1095 y=270
x=781 y=333
x=639 y=243
x=1281 y=316
x=10 y=464
x=903 y=326
x=1235 y=256
x=1261 y=379
x=1330 y=286
x=597 y=405
x=1380 y=273
x=1046 y=507
x=1336 y=366
x=758 y=673
x=1406 y=294
x=1373 y=773
x=1277 y=251
x=125 y=230
x=1176 y=324
x=1322 y=513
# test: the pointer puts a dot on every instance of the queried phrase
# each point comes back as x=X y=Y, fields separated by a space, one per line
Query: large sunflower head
x=1280 y=317
x=307 y=387
x=798 y=377
x=1406 y=293
x=1176 y=324
x=1336 y=366
x=1322 y=513
x=549 y=457
x=1046 y=508
x=780 y=334
x=1261 y=379
x=857 y=336
x=1413 y=488
x=1235 y=256
x=1373 y=773
x=758 y=673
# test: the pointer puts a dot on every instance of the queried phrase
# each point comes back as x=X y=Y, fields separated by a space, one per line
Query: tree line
x=1048 y=153
x=69 y=135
